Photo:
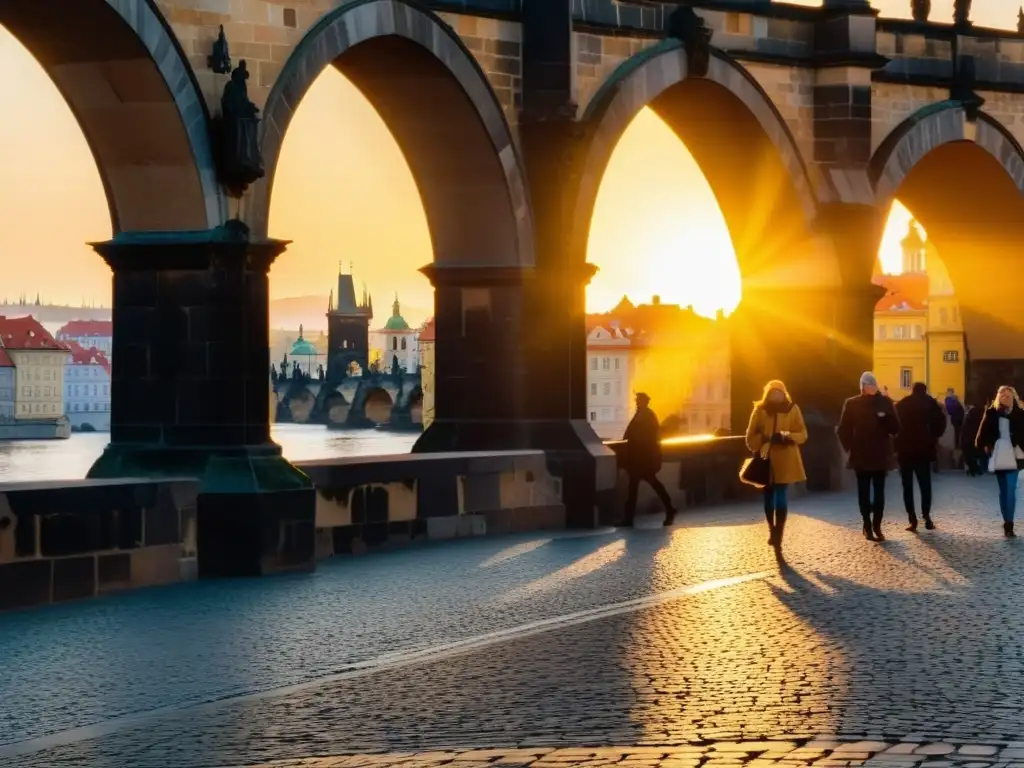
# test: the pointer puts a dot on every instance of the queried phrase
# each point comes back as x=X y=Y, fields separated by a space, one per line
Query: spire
x=300 y=332
x=396 y=309
x=330 y=301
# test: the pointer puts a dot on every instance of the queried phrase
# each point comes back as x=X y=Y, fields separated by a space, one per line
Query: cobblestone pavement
x=918 y=638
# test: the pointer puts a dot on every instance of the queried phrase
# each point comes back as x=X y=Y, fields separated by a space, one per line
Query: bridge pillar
x=190 y=393
x=817 y=339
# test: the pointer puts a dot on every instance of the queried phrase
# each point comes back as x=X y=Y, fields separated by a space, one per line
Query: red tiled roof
x=79 y=328
x=82 y=356
x=429 y=332
x=907 y=292
x=26 y=333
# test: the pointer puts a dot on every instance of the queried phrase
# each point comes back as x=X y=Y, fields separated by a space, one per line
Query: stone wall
x=66 y=540
x=386 y=501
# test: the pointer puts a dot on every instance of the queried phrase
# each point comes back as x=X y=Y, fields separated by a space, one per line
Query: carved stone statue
x=220 y=60
x=962 y=13
x=921 y=9
x=1020 y=21
x=685 y=25
x=241 y=158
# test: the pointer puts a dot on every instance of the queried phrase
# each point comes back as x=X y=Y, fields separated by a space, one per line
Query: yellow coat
x=786 y=462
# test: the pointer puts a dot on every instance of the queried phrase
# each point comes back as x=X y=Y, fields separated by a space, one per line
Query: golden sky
x=343 y=193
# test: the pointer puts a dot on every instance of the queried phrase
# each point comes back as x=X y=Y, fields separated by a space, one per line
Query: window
x=394 y=343
x=403 y=343
x=593 y=388
x=906 y=378
x=732 y=23
x=617 y=363
x=593 y=363
x=606 y=413
x=606 y=364
x=607 y=389
x=918 y=332
x=881 y=331
x=37 y=392
x=593 y=416
x=899 y=332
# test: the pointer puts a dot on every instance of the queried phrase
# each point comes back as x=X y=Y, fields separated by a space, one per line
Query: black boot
x=876 y=525
x=867 y=528
x=928 y=524
x=913 y=522
x=770 y=517
x=1008 y=531
x=670 y=517
x=780 y=526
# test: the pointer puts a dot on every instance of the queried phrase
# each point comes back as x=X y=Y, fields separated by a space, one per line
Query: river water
x=22 y=460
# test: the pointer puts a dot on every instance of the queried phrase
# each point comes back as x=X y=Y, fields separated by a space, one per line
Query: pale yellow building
x=919 y=334
x=427 y=367
x=39 y=361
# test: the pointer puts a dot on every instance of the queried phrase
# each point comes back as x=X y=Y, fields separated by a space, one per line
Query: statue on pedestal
x=920 y=10
x=685 y=25
x=241 y=159
x=220 y=60
x=962 y=13
x=1020 y=20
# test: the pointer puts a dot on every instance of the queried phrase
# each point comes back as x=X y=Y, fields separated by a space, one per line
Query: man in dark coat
x=922 y=423
x=866 y=429
x=642 y=458
x=973 y=458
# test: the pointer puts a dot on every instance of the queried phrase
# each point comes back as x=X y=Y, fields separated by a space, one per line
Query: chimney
x=655 y=300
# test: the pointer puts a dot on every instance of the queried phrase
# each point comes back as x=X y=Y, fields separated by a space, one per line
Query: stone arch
x=640 y=81
x=930 y=128
x=963 y=181
x=439 y=106
x=377 y=405
x=130 y=87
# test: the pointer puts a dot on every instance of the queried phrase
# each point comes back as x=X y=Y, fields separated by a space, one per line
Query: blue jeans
x=1007 y=479
x=776 y=497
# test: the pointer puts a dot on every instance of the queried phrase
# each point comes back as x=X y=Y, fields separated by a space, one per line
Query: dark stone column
x=818 y=341
x=190 y=393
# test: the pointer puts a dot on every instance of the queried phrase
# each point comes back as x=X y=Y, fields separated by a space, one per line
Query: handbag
x=757 y=470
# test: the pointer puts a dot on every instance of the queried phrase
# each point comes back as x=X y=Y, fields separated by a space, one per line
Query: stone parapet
x=74 y=539
x=388 y=501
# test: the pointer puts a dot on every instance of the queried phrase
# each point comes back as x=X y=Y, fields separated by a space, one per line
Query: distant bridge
x=364 y=402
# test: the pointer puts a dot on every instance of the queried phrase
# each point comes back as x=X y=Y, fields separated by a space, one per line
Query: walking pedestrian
x=866 y=428
x=1000 y=437
x=777 y=431
x=956 y=412
x=973 y=458
x=642 y=459
x=922 y=423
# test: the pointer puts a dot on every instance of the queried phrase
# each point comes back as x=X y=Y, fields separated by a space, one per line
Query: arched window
x=394 y=342
x=403 y=342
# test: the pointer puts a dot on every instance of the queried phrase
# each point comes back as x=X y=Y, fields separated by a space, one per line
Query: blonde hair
x=1013 y=394
x=773 y=384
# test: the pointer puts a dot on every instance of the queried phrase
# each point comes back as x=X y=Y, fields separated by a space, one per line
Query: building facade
x=677 y=357
x=87 y=388
x=89 y=334
x=427 y=340
x=919 y=333
x=396 y=342
x=7 y=384
x=38 y=359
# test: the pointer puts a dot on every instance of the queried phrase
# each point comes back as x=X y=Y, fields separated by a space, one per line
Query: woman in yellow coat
x=777 y=431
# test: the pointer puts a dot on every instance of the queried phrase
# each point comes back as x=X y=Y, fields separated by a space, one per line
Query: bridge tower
x=348 y=329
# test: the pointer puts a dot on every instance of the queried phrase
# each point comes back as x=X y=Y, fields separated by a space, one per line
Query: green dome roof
x=302 y=348
x=397 y=323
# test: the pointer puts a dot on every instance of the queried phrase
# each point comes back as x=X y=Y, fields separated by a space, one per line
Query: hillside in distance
x=311 y=313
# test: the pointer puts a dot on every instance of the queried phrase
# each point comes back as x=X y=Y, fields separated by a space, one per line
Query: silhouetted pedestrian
x=777 y=431
x=973 y=458
x=642 y=459
x=866 y=428
x=922 y=423
x=955 y=409
x=1000 y=437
